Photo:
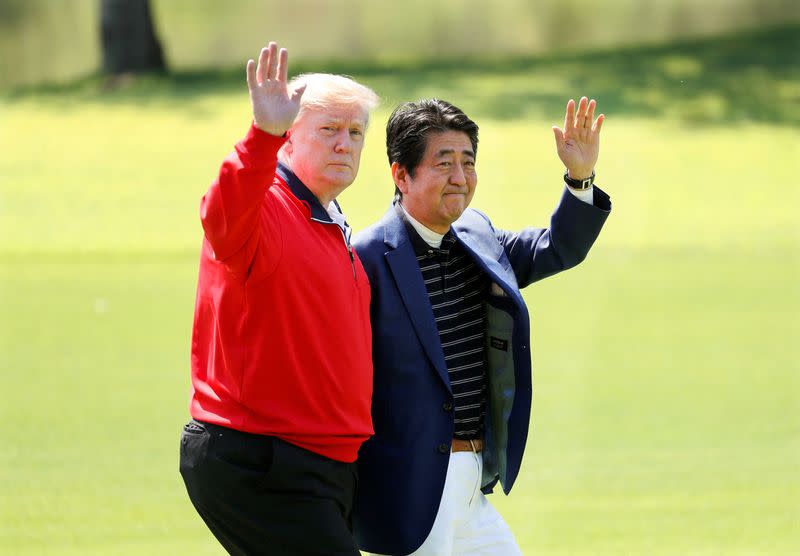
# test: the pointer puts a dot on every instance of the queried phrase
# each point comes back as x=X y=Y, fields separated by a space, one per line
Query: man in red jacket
x=281 y=345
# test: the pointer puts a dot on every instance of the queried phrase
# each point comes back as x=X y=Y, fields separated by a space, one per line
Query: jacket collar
x=485 y=251
x=420 y=246
x=304 y=194
x=404 y=267
x=394 y=230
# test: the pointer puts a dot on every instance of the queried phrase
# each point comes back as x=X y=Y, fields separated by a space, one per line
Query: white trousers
x=466 y=523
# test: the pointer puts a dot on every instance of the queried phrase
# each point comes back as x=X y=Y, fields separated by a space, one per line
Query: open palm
x=274 y=106
x=578 y=143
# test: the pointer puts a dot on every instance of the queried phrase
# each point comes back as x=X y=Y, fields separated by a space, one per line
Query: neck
x=432 y=237
x=323 y=198
x=436 y=228
x=324 y=195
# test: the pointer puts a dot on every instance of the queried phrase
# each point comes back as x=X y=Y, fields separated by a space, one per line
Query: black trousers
x=261 y=495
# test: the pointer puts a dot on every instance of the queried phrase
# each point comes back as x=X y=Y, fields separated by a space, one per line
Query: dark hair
x=412 y=123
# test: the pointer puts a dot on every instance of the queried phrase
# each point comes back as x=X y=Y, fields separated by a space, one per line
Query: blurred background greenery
x=57 y=40
x=666 y=389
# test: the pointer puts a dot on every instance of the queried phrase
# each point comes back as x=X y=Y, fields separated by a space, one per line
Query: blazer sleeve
x=229 y=211
x=536 y=253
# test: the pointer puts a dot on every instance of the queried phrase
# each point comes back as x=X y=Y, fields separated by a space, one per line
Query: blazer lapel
x=487 y=255
x=404 y=266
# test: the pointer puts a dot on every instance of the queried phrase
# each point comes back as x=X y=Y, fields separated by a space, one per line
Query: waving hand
x=578 y=143
x=274 y=106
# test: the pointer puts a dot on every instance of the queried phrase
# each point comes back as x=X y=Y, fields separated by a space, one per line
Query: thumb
x=251 y=75
x=559 y=135
x=298 y=93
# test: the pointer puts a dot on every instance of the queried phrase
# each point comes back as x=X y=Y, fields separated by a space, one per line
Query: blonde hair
x=326 y=90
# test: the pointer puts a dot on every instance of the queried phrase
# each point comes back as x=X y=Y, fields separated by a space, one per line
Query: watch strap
x=580 y=185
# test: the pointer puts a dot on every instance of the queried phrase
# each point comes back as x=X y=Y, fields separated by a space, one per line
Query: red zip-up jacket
x=281 y=344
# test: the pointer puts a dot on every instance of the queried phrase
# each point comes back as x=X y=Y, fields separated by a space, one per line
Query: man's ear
x=400 y=177
x=287 y=146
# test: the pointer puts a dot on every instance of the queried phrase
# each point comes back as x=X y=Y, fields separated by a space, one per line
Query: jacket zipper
x=347 y=245
x=352 y=260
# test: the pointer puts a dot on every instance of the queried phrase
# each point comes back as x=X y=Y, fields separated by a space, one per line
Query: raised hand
x=274 y=106
x=578 y=144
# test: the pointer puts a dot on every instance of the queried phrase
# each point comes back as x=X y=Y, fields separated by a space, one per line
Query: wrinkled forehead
x=341 y=113
x=441 y=143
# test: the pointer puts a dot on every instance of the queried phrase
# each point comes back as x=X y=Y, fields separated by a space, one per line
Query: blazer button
x=447 y=406
x=444 y=448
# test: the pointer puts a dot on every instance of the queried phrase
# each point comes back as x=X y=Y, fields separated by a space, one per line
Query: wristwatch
x=580 y=185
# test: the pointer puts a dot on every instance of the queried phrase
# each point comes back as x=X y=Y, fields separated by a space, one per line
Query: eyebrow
x=445 y=152
x=341 y=121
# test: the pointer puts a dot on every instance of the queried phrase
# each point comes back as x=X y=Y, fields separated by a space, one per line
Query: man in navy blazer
x=451 y=337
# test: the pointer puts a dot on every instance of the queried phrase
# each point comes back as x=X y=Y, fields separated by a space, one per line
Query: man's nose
x=457 y=176
x=344 y=142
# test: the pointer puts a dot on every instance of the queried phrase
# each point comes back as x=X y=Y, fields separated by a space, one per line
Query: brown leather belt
x=475 y=445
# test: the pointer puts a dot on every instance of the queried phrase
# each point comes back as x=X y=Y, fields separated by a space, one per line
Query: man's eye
x=470 y=163
x=444 y=164
x=356 y=132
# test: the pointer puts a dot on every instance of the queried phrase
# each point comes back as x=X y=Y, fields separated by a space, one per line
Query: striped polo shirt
x=457 y=290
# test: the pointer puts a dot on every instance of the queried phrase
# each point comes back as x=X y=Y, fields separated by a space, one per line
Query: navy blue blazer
x=402 y=467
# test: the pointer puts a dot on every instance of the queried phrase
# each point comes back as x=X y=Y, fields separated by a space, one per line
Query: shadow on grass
x=751 y=76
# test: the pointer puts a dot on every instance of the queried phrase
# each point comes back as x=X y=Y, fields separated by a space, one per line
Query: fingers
x=580 y=118
x=251 y=75
x=599 y=123
x=576 y=119
x=283 y=65
x=590 y=113
x=262 y=65
x=268 y=63
x=272 y=61
x=569 y=117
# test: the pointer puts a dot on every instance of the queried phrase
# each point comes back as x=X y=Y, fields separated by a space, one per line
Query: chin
x=340 y=182
x=341 y=173
x=457 y=211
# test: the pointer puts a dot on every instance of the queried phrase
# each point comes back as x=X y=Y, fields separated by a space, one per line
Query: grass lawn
x=666 y=389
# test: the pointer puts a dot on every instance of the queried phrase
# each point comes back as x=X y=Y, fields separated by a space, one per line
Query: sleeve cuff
x=585 y=195
x=599 y=199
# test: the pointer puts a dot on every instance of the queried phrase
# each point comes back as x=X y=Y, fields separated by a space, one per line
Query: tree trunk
x=129 y=38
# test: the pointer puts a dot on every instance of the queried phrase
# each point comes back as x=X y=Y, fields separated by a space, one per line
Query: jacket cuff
x=601 y=200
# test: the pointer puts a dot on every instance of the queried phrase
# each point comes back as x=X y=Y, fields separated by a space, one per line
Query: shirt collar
x=429 y=236
x=304 y=194
x=424 y=240
x=336 y=215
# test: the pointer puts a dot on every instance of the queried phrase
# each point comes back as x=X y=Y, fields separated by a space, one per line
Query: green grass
x=666 y=397
x=666 y=386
